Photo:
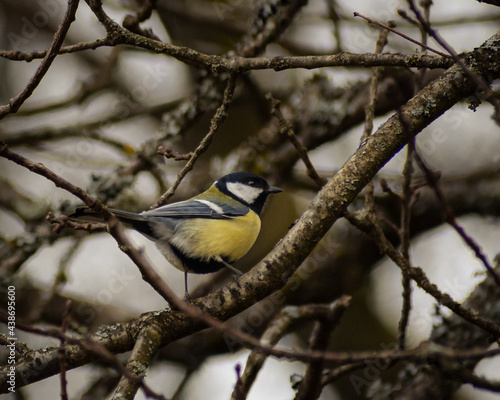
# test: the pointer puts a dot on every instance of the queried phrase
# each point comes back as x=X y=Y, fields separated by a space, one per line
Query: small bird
x=207 y=232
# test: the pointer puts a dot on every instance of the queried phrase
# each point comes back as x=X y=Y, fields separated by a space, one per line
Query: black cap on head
x=249 y=189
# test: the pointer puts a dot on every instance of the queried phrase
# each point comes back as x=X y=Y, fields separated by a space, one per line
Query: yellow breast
x=228 y=238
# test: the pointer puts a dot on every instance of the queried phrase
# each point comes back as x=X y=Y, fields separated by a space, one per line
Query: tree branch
x=217 y=120
x=44 y=66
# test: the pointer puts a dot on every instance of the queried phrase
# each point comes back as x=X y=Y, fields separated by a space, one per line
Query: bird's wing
x=198 y=208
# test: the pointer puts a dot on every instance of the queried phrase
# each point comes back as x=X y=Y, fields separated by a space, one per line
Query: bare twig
x=310 y=388
x=372 y=21
x=450 y=216
x=287 y=128
x=336 y=19
x=489 y=94
x=376 y=76
x=167 y=152
x=40 y=169
x=217 y=120
x=339 y=372
x=370 y=207
x=44 y=66
x=132 y=22
x=62 y=359
x=465 y=376
x=63 y=221
x=28 y=56
x=404 y=235
x=408 y=198
x=246 y=59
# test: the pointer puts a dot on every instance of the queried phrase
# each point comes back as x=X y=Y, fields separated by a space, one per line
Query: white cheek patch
x=218 y=209
x=246 y=193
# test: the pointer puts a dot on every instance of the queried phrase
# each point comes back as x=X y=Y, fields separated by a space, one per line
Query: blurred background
x=99 y=115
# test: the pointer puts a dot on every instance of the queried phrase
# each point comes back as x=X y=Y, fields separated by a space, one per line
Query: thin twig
x=404 y=235
x=44 y=66
x=466 y=376
x=339 y=372
x=405 y=213
x=374 y=22
x=370 y=114
x=217 y=120
x=117 y=35
x=489 y=94
x=28 y=56
x=450 y=216
x=336 y=19
x=287 y=128
x=63 y=221
x=310 y=388
x=183 y=383
x=132 y=22
x=40 y=169
x=167 y=152
x=62 y=357
x=376 y=76
x=407 y=200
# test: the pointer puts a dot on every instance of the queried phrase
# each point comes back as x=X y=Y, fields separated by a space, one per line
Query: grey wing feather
x=197 y=209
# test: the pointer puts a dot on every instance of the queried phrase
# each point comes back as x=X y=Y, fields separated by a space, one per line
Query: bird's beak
x=274 y=189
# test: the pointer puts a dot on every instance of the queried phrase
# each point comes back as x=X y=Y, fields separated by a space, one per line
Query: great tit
x=207 y=232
